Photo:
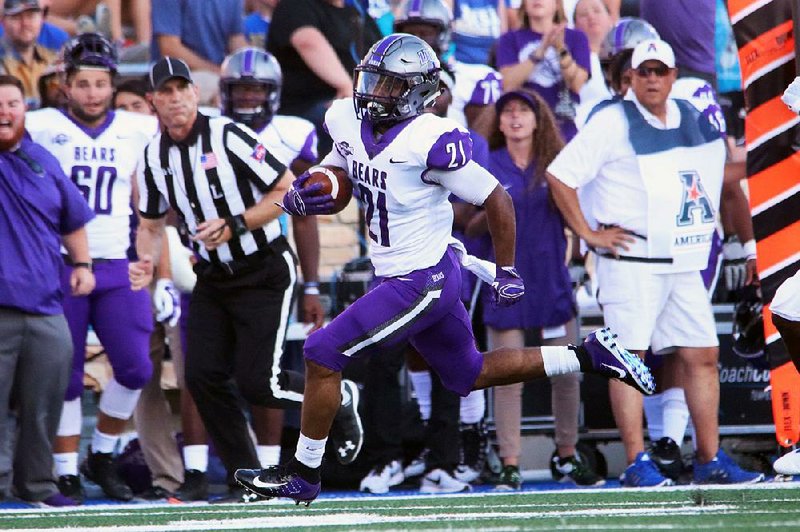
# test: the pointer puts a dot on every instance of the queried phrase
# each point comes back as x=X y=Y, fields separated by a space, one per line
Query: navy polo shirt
x=38 y=204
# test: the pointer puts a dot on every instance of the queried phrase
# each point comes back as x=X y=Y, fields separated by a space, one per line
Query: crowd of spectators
x=545 y=56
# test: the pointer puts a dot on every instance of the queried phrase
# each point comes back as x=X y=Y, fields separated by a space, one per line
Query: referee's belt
x=236 y=267
x=640 y=244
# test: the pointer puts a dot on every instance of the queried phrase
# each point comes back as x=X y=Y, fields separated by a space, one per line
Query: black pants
x=236 y=328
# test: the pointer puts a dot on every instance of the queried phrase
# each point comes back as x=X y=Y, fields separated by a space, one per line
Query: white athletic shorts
x=786 y=302
x=658 y=311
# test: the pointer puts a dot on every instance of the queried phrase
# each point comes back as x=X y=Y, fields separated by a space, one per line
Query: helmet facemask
x=386 y=97
x=254 y=112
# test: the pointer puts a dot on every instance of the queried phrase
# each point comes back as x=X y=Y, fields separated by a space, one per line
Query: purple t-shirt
x=38 y=204
x=546 y=79
x=688 y=26
x=540 y=252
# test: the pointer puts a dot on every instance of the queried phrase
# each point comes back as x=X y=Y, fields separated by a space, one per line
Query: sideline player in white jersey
x=404 y=163
x=250 y=93
x=98 y=149
x=477 y=87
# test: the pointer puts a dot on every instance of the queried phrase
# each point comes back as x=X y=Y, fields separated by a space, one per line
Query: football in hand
x=334 y=182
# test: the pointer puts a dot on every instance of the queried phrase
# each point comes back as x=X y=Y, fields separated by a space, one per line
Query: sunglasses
x=660 y=71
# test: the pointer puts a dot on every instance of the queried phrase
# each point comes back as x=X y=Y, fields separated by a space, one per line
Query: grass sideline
x=774 y=506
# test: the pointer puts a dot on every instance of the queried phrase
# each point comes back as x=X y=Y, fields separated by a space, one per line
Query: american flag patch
x=208 y=161
x=259 y=152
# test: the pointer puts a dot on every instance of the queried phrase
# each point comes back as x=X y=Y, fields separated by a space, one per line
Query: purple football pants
x=423 y=308
x=122 y=320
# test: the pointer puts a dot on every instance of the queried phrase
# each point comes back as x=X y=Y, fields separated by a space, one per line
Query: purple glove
x=508 y=287
x=299 y=201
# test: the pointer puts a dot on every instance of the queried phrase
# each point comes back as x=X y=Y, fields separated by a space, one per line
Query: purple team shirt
x=38 y=204
x=515 y=46
x=540 y=253
x=688 y=26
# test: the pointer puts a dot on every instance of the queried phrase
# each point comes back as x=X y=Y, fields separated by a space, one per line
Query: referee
x=224 y=185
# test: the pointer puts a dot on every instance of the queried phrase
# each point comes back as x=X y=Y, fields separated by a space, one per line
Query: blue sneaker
x=723 y=470
x=643 y=473
x=611 y=360
x=278 y=481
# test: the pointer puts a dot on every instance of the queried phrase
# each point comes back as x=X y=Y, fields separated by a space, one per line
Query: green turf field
x=767 y=506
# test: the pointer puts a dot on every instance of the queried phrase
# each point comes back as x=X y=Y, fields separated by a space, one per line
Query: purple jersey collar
x=373 y=147
x=92 y=132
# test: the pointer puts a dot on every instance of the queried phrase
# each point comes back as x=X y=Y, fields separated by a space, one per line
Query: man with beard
x=39 y=211
x=98 y=149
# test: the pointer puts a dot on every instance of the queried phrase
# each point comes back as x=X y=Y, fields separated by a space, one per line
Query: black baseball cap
x=15 y=7
x=167 y=68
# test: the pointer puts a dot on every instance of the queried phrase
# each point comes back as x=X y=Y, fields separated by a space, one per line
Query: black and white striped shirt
x=220 y=169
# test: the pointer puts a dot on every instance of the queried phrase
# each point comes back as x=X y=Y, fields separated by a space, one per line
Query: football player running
x=98 y=148
x=404 y=163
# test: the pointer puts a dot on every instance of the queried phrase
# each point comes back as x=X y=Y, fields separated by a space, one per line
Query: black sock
x=309 y=474
x=583 y=357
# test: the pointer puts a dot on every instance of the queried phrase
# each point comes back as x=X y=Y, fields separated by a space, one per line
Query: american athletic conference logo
x=694 y=199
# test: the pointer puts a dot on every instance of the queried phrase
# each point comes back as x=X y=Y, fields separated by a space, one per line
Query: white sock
x=268 y=455
x=421 y=382
x=654 y=414
x=65 y=463
x=195 y=457
x=559 y=360
x=473 y=407
x=676 y=414
x=104 y=443
x=309 y=452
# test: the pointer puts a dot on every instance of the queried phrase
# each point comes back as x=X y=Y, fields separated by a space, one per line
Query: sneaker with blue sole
x=601 y=354
x=643 y=473
x=278 y=481
x=723 y=470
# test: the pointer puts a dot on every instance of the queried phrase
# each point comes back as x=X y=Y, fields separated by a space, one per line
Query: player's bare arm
x=566 y=199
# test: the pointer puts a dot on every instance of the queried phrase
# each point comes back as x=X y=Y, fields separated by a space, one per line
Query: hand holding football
x=335 y=182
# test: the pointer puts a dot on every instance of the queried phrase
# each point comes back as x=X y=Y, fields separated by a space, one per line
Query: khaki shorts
x=658 y=311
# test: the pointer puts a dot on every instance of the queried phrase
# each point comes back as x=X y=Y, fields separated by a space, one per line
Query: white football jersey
x=700 y=94
x=101 y=162
x=409 y=219
x=290 y=137
x=476 y=85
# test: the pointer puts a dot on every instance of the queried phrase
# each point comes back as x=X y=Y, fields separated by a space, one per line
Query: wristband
x=237 y=224
x=87 y=265
x=311 y=288
x=749 y=248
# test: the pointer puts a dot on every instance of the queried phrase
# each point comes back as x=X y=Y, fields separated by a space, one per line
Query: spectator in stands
x=20 y=53
x=592 y=18
x=476 y=26
x=256 y=24
x=612 y=6
x=35 y=341
x=688 y=26
x=51 y=36
x=525 y=141
x=117 y=20
x=548 y=57
x=318 y=43
x=199 y=32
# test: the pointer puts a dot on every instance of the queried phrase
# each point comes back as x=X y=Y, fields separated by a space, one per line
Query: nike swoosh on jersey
x=257 y=482
x=620 y=373
x=396 y=162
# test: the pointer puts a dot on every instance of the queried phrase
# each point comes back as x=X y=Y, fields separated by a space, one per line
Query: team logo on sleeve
x=259 y=152
x=344 y=149
x=695 y=198
x=61 y=139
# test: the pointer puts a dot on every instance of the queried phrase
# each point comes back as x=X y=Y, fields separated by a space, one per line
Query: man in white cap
x=657 y=165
